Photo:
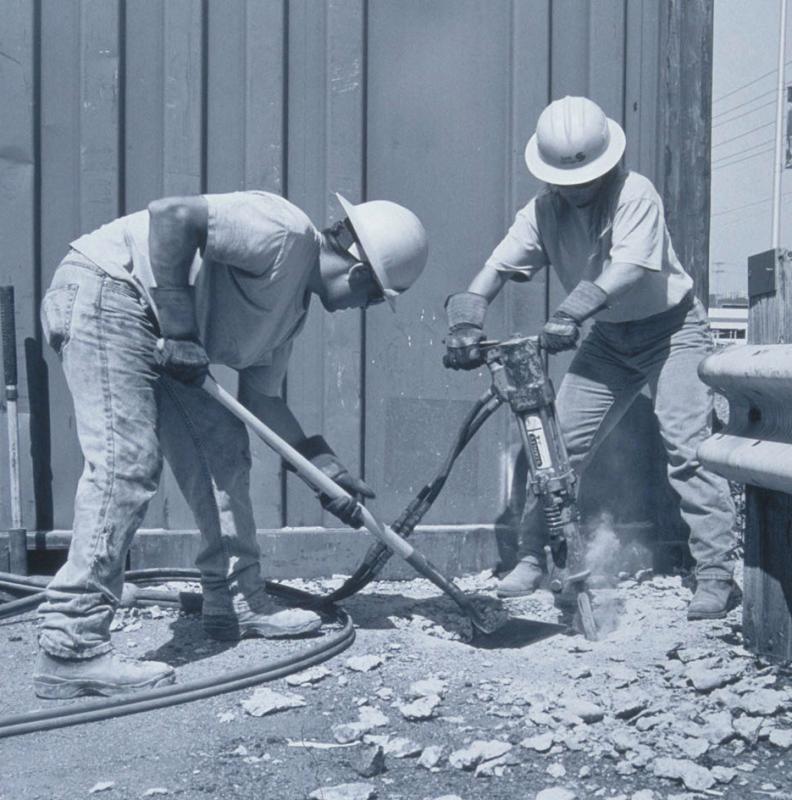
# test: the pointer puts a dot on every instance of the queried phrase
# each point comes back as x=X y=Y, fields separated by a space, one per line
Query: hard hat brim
x=577 y=173
x=369 y=250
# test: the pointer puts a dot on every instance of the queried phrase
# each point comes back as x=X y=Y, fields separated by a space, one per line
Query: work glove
x=179 y=353
x=562 y=330
x=465 y=312
x=347 y=509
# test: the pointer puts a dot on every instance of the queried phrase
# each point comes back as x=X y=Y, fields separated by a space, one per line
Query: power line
x=742 y=152
x=744 y=133
x=746 y=205
x=744 y=158
x=744 y=103
x=744 y=114
x=746 y=85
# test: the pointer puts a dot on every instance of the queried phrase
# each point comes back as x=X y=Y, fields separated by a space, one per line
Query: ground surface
x=606 y=719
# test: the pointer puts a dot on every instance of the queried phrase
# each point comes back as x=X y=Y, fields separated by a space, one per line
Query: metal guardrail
x=755 y=447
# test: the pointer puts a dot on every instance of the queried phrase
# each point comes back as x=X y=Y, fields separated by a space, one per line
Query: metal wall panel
x=112 y=104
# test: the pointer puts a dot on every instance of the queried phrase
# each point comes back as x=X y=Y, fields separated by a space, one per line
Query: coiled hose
x=372 y=564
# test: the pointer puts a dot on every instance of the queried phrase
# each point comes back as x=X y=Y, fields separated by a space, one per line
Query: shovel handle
x=304 y=467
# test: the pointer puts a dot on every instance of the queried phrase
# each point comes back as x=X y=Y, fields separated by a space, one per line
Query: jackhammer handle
x=304 y=467
x=8 y=330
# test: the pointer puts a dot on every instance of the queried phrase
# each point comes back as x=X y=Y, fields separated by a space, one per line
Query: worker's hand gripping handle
x=8 y=330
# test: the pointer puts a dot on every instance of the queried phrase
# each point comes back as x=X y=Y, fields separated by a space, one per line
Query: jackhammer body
x=520 y=379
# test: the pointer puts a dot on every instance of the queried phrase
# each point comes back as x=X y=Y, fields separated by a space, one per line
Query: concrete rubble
x=345 y=791
x=265 y=701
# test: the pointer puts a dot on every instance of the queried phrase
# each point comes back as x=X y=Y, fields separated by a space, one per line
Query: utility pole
x=779 y=148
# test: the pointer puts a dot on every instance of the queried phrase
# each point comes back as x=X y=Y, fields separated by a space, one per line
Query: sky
x=745 y=58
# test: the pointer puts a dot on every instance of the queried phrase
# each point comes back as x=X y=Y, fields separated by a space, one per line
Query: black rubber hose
x=60 y=717
x=378 y=554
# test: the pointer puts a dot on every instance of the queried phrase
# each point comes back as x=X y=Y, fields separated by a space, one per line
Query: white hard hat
x=393 y=242
x=574 y=143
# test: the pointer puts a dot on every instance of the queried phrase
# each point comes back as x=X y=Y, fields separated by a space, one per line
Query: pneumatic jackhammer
x=519 y=378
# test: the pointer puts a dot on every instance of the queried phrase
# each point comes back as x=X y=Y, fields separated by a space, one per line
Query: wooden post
x=767 y=603
x=685 y=132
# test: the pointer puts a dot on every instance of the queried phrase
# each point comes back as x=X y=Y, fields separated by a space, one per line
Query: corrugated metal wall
x=108 y=104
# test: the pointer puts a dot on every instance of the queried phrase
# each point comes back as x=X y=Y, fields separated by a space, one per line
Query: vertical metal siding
x=426 y=103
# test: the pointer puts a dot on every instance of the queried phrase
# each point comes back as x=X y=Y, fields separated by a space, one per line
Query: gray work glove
x=347 y=509
x=562 y=330
x=179 y=353
x=465 y=312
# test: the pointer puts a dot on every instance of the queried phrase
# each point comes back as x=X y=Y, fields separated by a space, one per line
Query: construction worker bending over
x=603 y=230
x=137 y=311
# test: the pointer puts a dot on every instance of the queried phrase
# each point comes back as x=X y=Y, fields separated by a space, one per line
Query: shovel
x=319 y=481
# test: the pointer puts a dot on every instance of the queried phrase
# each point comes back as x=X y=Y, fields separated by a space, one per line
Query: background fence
x=108 y=104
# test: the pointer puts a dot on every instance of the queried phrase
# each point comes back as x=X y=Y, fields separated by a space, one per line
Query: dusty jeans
x=613 y=364
x=127 y=416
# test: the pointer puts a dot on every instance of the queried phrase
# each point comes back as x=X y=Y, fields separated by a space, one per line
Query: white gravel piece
x=344 y=791
x=364 y=663
x=695 y=777
x=264 y=701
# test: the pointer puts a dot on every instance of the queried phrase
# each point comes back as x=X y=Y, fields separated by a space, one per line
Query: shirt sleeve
x=267 y=379
x=244 y=231
x=521 y=252
x=638 y=234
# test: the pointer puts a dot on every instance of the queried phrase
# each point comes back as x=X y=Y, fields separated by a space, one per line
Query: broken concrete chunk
x=622 y=676
x=556 y=770
x=627 y=704
x=264 y=701
x=718 y=727
x=102 y=786
x=705 y=678
x=426 y=687
x=470 y=757
x=370 y=762
x=643 y=794
x=431 y=756
x=723 y=774
x=748 y=728
x=695 y=778
x=762 y=702
x=694 y=748
x=384 y=693
x=344 y=791
x=369 y=718
x=401 y=747
x=420 y=709
x=556 y=793
x=540 y=743
x=781 y=738
x=364 y=663
x=624 y=740
x=585 y=709
x=308 y=676
x=372 y=717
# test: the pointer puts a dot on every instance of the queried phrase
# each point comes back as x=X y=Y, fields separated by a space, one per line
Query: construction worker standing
x=603 y=230
x=137 y=311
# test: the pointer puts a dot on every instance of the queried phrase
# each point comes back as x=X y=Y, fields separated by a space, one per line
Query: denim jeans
x=128 y=415
x=613 y=364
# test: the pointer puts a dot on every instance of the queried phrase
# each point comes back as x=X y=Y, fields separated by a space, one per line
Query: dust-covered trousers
x=127 y=416
x=611 y=367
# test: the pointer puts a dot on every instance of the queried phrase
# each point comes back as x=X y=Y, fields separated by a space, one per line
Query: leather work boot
x=523 y=580
x=714 y=598
x=111 y=673
x=285 y=623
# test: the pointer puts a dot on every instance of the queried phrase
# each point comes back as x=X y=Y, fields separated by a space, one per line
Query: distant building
x=729 y=324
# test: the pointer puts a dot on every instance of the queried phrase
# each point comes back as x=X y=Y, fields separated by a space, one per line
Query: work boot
x=56 y=678
x=523 y=580
x=714 y=598
x=281 y=623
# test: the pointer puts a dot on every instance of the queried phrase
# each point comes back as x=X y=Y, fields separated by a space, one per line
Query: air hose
x=61 y=717
x=373 y=563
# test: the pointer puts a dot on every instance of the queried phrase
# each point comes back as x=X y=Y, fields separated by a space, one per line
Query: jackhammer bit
x=519 y=378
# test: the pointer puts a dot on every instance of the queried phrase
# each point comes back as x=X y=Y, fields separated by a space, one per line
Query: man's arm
x=618 y=277
x=273 y=412
x=488 y=282
x=177 y=228
x=276 y=414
